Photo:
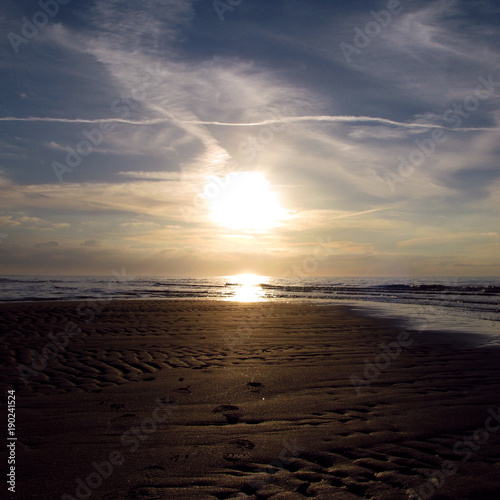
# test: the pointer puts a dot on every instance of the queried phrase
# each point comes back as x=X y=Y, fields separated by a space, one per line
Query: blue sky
x=376 y=125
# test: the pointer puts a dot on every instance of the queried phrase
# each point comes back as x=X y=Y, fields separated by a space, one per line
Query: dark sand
x=262 y=404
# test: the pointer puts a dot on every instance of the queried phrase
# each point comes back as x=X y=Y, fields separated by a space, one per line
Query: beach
x=157 y=399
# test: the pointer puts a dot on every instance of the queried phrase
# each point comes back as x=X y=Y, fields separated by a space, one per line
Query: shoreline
x=256 y=399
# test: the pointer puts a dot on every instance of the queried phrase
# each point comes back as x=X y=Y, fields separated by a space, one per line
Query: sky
x=292 y=137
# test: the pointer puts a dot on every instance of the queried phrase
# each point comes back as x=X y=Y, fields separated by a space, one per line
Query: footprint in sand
x=125 y=416
x=239 y=450
x=155 y=467
x=255 y=386
x=244 y=443
x=234 y=457
x=154 y=472
x=230 y=412
x=223 y=408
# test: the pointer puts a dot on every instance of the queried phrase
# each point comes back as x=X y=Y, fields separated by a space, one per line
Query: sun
x=246 y=202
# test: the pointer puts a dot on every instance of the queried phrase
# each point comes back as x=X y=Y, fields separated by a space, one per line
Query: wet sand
x=201 y=399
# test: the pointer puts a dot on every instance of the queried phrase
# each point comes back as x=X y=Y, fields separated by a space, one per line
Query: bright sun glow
x=247 y=279
x=246 y=287
x=245 y=201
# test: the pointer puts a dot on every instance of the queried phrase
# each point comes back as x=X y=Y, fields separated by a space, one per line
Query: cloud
x=143 y=224
x=190 y=100
x=157 y=176
x=141 y=197
x=261 y=123
x=52 y=259
x=48 y=244
x=21 y=220
x=91 y=243
x=8 y=220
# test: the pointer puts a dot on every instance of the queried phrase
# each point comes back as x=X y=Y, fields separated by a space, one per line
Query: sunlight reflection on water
x=246 y=288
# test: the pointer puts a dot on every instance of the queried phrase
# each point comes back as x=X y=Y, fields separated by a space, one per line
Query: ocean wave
x=489 y=289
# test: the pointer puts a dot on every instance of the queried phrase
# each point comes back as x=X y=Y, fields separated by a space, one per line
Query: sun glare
x=247 y=279
x=246 y=202
x=246 y=287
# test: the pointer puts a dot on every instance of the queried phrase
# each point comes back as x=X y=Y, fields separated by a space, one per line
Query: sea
x=445 y=303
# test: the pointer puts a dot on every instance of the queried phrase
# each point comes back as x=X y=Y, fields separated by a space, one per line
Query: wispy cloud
x=271 y=121
x=192 y=99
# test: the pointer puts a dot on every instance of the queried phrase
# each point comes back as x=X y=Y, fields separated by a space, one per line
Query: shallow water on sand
x=460 y=304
